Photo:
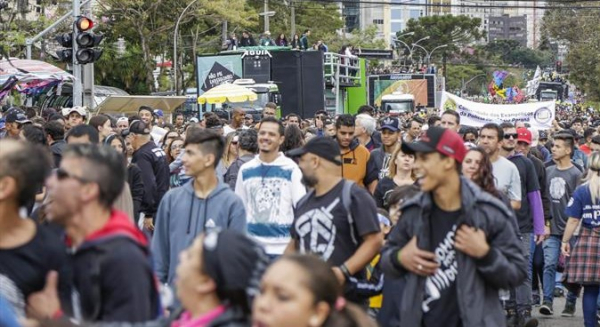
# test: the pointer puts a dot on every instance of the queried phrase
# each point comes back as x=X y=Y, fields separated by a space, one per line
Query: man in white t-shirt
x=506 y=174
x=237 y=121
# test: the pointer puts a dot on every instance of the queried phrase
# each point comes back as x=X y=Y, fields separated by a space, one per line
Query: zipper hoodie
x=182 y=216
x=355 y=166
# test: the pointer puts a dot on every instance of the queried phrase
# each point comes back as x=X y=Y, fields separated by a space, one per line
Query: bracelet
x=345 y=271
x=564 y=242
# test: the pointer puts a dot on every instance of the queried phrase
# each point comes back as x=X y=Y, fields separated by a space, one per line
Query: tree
x=577 y=29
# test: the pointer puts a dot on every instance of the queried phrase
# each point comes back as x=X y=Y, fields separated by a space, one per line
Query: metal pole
x=293 y=19
x=88 y=71
x=175 y=81
x=266 y=15
x=77 y=86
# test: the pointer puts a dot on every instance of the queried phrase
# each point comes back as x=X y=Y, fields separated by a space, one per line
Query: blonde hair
x=593 y=176
x=225 y=158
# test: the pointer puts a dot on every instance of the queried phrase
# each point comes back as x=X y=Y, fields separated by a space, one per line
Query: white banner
x=539 y=115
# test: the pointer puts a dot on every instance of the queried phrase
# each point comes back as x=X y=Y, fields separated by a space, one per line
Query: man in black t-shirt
x=337 y=221
x=28 y=251
x=454 y=246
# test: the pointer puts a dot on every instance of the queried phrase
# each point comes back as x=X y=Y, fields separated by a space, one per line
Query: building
x=507 y=27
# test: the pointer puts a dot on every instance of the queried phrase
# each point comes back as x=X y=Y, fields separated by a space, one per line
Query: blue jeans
x=551 y=255
x=521 y=295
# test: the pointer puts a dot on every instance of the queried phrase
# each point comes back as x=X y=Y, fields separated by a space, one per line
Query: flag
x=491 y=88
x=499 y=76
x=509 y=94
x=518 y=94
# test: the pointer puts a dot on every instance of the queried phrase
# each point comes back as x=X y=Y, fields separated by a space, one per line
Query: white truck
x=398 y=103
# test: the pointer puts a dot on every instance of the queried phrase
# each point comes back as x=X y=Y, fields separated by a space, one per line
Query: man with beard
x=337 y=220
x=270 y=186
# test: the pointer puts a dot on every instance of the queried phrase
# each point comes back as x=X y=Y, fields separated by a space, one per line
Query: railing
x=341 y=70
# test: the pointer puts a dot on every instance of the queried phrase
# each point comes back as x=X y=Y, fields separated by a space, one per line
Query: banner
x=538 y=115
x=216 y=70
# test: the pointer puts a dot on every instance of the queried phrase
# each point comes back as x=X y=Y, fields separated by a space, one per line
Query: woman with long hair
x=400 y=173
x=231 y=150
x=302 y=291
x=167 y=138
x=174 y=149
x=295 y=44
x=583 y=267
x=293 y=138
x=281 y=40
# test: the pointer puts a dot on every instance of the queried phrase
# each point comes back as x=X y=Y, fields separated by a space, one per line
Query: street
x=556 y=320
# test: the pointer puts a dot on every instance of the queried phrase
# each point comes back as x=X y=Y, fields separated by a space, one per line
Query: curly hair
x=484 y=177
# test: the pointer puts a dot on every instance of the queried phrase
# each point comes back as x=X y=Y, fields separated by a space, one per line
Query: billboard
x=422 y=86
x=216 y=70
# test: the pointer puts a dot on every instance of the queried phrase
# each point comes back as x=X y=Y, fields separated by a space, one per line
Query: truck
x=548 y=95
x=551 y=91
x=398 y=103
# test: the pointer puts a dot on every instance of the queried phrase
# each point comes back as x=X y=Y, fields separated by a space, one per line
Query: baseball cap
x=146 y=108
x=16 y=116
x=390 y=123
x=193 y=120
x=596 y=139
x=78 y=109
x=543 y=135
x=136 y=127
x=524 y=135
x=122 y=119
x=248 y=116
x=324 y=147
x=233 y=261
x=159 y=113
x=441 y=140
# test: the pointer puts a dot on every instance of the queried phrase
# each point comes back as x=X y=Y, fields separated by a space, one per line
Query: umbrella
x=29 y=70
x=227 y=92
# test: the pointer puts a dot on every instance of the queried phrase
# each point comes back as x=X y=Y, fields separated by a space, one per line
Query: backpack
x=346 y=202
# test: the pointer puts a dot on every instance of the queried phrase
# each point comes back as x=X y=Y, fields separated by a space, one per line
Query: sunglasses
x=62 y=174
x=513 y=135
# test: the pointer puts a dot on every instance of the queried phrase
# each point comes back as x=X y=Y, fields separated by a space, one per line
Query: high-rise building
x=507 y=27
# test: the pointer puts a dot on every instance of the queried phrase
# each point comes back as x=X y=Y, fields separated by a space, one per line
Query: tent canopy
x=27 y=70
x=131 y=103
x=227 y=93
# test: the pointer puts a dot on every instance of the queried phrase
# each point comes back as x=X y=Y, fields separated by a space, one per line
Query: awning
x=131 y=103
x=227 y=93
x=28 y=70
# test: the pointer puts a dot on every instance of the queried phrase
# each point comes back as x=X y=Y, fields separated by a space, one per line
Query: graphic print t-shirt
x=581 y=207
x=23 y=269
x=321 y=224
x=440 y=301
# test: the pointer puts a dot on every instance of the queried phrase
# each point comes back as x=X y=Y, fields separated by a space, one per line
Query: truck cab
x=548 y=95
x=398 y=103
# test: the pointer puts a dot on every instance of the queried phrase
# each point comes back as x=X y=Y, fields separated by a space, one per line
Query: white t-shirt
x=507 y=178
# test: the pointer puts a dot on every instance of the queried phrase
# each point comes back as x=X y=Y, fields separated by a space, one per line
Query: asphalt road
x=556 y=320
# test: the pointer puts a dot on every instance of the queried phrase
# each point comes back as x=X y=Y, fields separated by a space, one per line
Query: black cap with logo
x=324 y=147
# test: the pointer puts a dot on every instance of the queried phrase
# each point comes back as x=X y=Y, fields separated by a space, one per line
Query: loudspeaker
x=299 y=76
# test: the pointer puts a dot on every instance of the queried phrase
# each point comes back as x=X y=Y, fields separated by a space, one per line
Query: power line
x=378 y=4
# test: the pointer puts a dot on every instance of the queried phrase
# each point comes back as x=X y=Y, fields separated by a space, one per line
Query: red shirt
x=585 y=149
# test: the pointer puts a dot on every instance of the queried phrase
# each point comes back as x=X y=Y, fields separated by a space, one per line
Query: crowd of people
x=296 y=42
x=352 y=220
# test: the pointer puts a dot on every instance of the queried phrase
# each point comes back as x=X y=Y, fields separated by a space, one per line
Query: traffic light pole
x=88 y=72
x=77 y=86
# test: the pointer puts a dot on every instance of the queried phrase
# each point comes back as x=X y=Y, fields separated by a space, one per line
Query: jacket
x=57 y=148
x=182 y=216
x=232 y=172
x=152 y=162
x=356 y=165
x=479 y=280
x=136 y=185
x=113 y=274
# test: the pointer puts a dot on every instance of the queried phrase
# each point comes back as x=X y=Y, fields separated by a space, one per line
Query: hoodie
x=356 y=165
x=182 y=216
x=113 y=274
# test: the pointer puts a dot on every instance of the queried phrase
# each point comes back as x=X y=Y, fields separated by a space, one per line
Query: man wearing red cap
x=455 y=246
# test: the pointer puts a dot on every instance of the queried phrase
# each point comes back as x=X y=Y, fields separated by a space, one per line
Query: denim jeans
x=551 y=255
x=521 y=295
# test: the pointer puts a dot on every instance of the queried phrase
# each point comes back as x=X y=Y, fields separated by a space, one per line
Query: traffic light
x=66 y=41
x=86 y=41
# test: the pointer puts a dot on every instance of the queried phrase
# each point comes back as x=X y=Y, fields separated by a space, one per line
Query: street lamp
x=175 y=46
x=406 y=45
x=431 y=53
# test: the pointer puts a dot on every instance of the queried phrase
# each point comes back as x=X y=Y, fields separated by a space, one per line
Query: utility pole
x=88 y=71
x=77 y=86
x=266 y=15
x=293 y=19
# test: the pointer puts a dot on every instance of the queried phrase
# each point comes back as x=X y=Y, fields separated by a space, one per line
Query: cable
x=379 y=3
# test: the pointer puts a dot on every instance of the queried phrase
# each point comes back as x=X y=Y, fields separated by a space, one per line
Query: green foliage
x=125 y=71
x=511 y=52
x=366 y=39
x=579 y=30
x=455 y=31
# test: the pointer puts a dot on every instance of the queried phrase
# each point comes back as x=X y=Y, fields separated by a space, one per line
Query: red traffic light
x=83 y=24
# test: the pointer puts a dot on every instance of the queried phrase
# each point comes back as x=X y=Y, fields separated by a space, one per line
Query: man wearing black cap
x=15 y=119
x=155 y=169
x=337 y=221
x=454 y=246
x=595 y=145
x=380 y=157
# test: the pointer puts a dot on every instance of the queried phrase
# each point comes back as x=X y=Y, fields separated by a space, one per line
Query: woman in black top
x=281 y=40
x=400 y=173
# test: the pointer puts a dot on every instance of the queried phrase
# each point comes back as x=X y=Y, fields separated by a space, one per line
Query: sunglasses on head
x=513 y=135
